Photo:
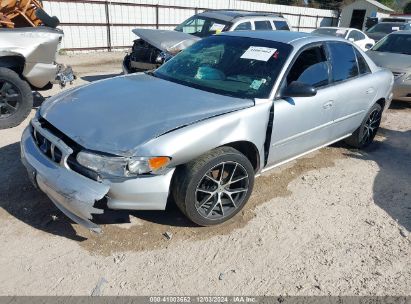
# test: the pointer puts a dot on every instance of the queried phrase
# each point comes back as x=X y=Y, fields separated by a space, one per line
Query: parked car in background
x=394 y=52
x=153 y=47
x=203 y=125
x=380 y=30
x=28 y=62
x=356 y=36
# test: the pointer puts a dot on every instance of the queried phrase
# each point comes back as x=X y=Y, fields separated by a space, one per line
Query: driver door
x=302 y=124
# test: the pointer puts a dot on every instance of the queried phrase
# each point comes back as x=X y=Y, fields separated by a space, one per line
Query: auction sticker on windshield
x=259 y=53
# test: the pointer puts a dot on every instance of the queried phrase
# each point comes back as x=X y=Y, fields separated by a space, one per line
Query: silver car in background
x=394 y=53
x=203 y=125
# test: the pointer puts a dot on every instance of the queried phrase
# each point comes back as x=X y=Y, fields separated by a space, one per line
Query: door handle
x=328 y=105
x=370 y=91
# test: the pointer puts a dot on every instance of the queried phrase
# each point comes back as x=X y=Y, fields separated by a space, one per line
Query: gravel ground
x=336 y=222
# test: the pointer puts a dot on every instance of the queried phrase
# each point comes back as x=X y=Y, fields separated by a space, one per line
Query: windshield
x=202 y=26
x=234 y=66
x=388 y=28
x=331 y=32
x=394 y=43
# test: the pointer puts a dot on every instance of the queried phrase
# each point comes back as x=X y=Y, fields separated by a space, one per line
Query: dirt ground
x=336 y=222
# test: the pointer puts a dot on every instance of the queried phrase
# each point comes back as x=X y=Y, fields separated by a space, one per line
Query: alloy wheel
x=371 y=126
x=10 y=98
x=222 y=190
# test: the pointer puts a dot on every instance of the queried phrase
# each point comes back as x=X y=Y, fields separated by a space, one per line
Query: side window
x=263 y=25
x=362 y=64
x=343 y=61
x=360 y=36
x=281 y=25
x=356 y=35
x=311 y=68
x=245 y=26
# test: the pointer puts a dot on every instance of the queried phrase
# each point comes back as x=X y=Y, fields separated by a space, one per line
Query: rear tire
x=365 y=134
x=16 y=99
x=215 y=187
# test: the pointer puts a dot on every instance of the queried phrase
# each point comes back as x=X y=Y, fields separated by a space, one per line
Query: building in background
x=356 y=14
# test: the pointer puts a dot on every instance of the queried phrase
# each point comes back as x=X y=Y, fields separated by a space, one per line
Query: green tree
x=407 y=8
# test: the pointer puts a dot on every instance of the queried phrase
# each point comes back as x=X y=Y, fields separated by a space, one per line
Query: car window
x=201 y=26
x=263 y=25
x=310 y=68
x=281 y=25
x=388 y=28
x=356 y=35
x=331 y=32
x=228 y=65
x=245 y=26
x=394 y=43
x=362 y=64
x=343 y=61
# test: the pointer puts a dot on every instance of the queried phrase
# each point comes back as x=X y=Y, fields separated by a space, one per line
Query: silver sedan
x=204 y=125
x=394 y=52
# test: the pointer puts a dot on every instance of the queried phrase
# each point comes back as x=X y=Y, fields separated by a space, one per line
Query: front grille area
x=47 y=147
x=62 y=156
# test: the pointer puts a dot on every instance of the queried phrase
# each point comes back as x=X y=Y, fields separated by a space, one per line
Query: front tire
x=365 y=134
x=16 y=99
x=215 y=187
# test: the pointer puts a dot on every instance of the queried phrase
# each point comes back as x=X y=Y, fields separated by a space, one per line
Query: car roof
x=337 y=28
x=229 y=15
x=293 y=38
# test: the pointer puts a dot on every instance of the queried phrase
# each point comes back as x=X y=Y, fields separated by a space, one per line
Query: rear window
x=262 y=25
x=388 y=28
x=343 y=61
x=281 y=25
x=331 y=32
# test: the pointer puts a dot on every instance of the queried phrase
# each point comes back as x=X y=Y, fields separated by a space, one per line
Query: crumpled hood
x=166 y=41
x=119 y=114
x=393 y=62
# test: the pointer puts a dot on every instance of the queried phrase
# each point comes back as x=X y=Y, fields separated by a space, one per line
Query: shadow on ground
x=392 y=185
x=23 y=201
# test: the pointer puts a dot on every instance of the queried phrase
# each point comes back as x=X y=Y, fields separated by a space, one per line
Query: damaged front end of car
x=32 y=52
x=154 y=47
x=66 y=173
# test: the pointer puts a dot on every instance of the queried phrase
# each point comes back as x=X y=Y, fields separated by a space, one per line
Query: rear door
x=354 y=87
x=303 y=123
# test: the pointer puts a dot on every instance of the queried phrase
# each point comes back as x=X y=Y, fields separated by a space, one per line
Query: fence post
x=316 y=22
x=106 y=7
x=299 y=22
x=157 y=17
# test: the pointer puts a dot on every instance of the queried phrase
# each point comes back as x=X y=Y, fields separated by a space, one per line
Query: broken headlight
x=121 y=166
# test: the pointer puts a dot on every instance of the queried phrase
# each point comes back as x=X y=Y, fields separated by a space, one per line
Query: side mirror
x=351 y=39
x=368 y=46
x=299 y=89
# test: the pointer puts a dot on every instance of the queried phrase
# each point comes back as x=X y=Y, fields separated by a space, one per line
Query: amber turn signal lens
x=156 y=163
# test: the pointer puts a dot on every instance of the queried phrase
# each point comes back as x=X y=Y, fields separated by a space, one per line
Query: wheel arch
x=381 y=102
x=249 y=150
x=12 y=61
